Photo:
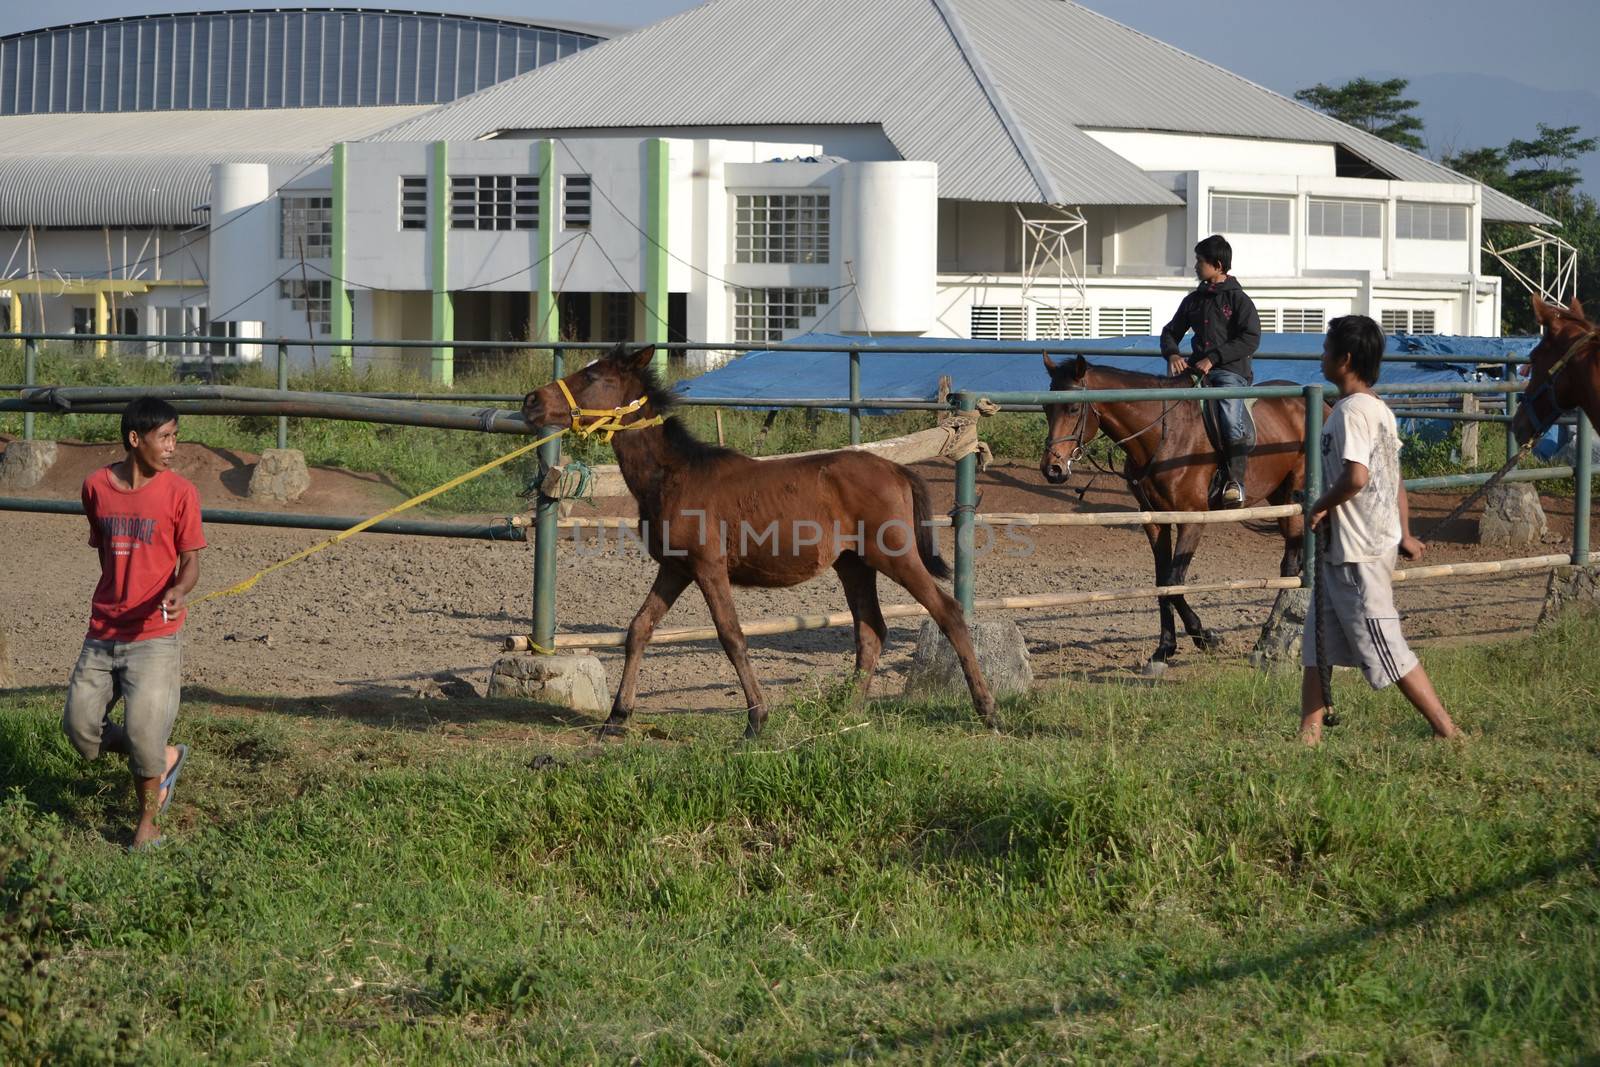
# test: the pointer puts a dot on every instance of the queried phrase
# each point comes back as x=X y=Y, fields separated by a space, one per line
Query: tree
x=1377 y=107
x=1549 y=182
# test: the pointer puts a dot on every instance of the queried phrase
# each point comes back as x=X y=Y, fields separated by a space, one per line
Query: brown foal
x=716 y=518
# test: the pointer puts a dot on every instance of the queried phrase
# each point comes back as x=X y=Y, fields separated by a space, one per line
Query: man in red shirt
x=145 y=522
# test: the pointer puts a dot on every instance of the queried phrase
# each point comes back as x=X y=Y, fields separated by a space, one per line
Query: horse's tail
x=922 y=515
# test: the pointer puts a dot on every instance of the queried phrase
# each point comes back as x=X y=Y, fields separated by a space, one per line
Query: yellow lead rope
x=249 y=582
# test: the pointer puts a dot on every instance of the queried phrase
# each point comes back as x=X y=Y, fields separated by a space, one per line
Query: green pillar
x=546 y=315
x=655 y=251
x=442 y=370
x=341 y=312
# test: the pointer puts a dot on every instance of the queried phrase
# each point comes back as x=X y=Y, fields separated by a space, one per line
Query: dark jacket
x=1226 y=326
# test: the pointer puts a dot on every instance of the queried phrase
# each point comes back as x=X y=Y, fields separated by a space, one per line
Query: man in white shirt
x=1365 y=508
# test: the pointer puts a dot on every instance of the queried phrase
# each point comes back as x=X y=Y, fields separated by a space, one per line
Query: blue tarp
x=979 y=367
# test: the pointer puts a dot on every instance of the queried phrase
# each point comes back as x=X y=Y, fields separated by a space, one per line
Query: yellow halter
x=608 y=421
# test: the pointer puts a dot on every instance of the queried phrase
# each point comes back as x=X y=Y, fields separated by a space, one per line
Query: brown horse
x=718 y=518
x=1170 y=464
x=1566 y=335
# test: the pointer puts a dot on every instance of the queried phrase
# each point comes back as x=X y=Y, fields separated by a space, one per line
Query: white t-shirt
x=1366 y=528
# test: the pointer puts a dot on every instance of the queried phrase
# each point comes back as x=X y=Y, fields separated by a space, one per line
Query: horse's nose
x=1055 y=473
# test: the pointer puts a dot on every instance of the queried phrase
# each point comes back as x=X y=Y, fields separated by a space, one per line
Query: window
x=1305 y=320
x=1344 y=218
x=494 y=202
x=314 y=298
x=766 y=314
x=126 y=322
x=998 y=323
x=576 y=203
x=1400 y=320
x=1126 y=322
x=616 y=315
x=1250 y=214
x=82 y=322
x=1430 y=222
x=414 y=202
x=773 y=228
x=307 y=227
x=1269 y=319
x=1060 y=323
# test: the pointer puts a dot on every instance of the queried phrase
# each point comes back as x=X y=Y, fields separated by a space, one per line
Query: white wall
x=1149 y=150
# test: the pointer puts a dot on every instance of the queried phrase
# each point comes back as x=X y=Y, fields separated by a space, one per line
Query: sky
x=1285 y=44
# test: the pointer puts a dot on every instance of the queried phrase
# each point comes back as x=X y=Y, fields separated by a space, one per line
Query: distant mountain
x=1467 y=110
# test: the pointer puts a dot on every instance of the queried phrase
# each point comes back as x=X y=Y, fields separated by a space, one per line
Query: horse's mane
x=1132 y=378
x=664 y=401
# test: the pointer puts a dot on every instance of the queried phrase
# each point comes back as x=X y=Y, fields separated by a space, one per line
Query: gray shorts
x=145 y=675
x=1357 y=600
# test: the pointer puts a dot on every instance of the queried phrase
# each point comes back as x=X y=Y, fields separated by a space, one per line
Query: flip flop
x=149 y=846
x=171 y=779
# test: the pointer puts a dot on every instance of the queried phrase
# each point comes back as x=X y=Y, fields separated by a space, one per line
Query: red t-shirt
x=139 y=533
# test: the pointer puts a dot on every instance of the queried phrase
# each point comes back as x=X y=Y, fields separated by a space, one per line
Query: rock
x=1002 y=659
x=1512 y=516
x=1278 y=647
x=24 y=463
x=576 y=682
x=1570 y=587
x=455 y=687
x=280 y=476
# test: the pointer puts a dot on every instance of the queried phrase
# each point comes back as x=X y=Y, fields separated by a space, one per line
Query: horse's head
x=1564 y=330
x=614 y=383
x=1071 y=426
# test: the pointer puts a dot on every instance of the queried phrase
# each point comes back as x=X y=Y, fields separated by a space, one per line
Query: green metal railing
x=408 y=409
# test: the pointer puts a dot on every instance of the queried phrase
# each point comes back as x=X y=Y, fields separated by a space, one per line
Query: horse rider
x=1227 y=331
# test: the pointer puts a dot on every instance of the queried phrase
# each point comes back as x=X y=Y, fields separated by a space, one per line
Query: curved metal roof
x=151 y=169
x=270 y=58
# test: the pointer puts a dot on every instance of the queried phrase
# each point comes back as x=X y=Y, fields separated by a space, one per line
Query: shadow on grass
x=1270 y=965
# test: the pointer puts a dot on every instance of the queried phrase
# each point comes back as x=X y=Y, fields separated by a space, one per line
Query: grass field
x=1133 y=874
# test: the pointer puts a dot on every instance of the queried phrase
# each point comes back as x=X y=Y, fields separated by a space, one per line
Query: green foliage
x=1546 y=179
x=1379 y=107
x=1133 y=874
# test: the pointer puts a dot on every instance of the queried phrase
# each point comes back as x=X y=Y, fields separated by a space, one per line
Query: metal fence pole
x=1583 y=473
x=545 y=534
x=1513 y=400
x=855 y=396
x=1308 y=544
x=283 y=384
x=966 y=513
x=30 y=374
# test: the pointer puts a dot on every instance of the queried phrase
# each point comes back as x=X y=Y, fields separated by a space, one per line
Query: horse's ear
x=1080 y=368
x=1049 y=364
x=1541 y=311
x=640 y=357
x=1576 y=307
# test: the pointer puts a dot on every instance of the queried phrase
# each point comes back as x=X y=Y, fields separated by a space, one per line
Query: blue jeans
x=1233 y=419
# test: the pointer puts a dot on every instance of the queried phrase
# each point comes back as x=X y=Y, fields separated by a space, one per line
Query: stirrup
x=1232 y=494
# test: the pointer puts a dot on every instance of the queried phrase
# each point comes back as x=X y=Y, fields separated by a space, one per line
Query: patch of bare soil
x=380 y=616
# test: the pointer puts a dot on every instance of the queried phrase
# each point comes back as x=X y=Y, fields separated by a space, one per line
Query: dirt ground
x=382 y=616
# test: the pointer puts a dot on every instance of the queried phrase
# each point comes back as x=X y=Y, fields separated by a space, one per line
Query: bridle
x=1078 y=451
x=607 y=421
x=1547 y=389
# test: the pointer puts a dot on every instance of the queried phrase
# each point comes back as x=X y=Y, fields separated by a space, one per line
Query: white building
x=752 y=169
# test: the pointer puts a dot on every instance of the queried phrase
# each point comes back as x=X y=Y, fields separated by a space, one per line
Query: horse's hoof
x=1155 y=668
x=1206 y=641
x=613 y=729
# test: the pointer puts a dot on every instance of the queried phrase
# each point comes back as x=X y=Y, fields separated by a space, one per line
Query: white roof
x=996 y=92
x=151 y=168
